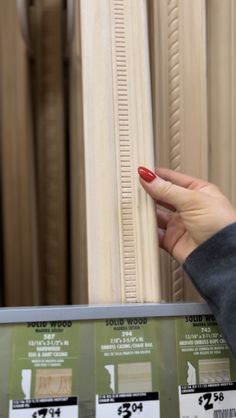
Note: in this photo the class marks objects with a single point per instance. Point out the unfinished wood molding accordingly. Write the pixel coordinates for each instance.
(23, 20)
(221, 54)
(174, 109)
(178, 61)
(122, 245)
(47, 32)
(79, 273)
(19, 241)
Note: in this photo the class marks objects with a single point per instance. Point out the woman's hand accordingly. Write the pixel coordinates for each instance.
(189, 210)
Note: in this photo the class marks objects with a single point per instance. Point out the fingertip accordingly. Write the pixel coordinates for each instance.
(146, 174)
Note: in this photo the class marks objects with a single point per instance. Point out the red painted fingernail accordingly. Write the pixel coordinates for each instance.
(146, 174)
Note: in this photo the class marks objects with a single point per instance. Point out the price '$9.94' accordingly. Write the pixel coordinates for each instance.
(47, 413)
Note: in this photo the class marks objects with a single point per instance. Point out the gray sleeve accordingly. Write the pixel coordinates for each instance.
(212, 268)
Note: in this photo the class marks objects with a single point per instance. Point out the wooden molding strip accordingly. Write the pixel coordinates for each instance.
(121, 227)
(177, 28)
(221, 60)
(175, 128)
(47, 21)
(19, 228)
(119, 53)
(79, 262)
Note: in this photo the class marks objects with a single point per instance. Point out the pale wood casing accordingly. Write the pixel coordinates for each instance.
(178, 58)
(122, 245)
(221, 71)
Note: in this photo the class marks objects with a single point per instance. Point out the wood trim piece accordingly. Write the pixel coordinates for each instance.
(121, 227)
(221, 53)
(177, 28)
(47, 30)
(20, 247)
(79, 271)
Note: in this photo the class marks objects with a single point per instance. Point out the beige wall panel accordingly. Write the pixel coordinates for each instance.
(47, 32)
(121, 227)
(178, 60)
(17, 174)
(221, 52)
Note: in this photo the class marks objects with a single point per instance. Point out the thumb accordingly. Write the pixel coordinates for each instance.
(162, 190)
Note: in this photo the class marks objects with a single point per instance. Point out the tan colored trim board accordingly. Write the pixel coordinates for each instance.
(121, 228)
(47, 31)
(178, 61)
(221, 53)
(17, 178)
(79, 270)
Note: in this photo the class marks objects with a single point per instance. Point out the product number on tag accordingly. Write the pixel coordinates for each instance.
(127, 409)
(47, 413)
(208, 399)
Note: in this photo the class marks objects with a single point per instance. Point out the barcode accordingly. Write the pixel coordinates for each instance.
(225, 413)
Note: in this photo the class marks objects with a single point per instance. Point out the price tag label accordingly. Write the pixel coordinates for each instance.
(130, 405)
(44, 408)
(208, 400)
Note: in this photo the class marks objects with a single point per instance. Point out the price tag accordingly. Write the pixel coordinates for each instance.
(130, 405)
(44, 408)
(208, 400)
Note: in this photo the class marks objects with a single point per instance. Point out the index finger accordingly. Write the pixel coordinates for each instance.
(181, 179)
